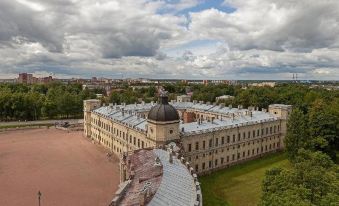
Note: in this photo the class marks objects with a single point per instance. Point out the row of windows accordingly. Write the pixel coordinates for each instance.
(274, 145)
(135, 141)
(235, 157)
(228, 139)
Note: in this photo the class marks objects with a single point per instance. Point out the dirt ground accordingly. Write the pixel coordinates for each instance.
(66, 167)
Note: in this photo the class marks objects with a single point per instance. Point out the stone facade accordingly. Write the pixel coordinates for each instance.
(214, 138)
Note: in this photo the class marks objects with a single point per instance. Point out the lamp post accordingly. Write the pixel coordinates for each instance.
(39, 196)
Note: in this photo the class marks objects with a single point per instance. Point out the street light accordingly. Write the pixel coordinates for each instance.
(39, 196)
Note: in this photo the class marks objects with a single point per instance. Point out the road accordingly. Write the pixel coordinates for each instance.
(39, 122)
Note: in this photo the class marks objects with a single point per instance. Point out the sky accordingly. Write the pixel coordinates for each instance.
(184, 39)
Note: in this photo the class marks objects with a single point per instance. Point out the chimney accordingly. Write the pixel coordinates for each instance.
(171, 158)
(123, 111)
(194, 101)
(183, 129)
(222, 105)
(230, 106)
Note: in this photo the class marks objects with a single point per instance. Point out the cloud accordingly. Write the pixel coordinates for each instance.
(280, 25)
(260, 39)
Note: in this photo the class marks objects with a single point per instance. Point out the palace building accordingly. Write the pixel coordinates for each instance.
(210, 136)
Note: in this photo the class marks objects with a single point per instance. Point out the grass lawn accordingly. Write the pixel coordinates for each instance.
(239, 185)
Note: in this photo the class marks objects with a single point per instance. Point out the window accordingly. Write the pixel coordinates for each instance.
(171, 131)
(249, 134)
(210, 143)
(258, 132)
(227, 158)
(203, 165)
(196, 168)
(253, 133)
(234, 138)
(270, 130)
(222, 160)
(244, 135)
(203, 144)
(134, 140)
(238, 136)
(266, 130)
(222, 140)
(275, 129)
(216, 142)
(228, 139)
(238, 156)
(197, 146)
(243, 154)
(262, 132)
(189, 147)
(138, 142)
(233, 157)
(216, 162)
(210, 164)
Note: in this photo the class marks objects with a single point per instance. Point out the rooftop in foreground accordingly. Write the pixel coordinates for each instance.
(157, 179)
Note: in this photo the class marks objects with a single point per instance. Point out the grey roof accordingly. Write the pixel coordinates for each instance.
(163, 112)
(131, 118)
(177, 186)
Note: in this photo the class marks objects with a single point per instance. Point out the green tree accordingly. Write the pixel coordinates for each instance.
(313, 180)
(323, 127)
(296, 136)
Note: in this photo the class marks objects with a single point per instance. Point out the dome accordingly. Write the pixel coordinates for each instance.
(163, 112)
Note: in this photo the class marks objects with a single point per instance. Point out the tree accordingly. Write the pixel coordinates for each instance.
(323, 128)
(313, 180)
(296, 136)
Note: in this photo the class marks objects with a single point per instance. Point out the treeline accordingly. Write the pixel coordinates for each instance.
(34, 102)
(295, 94)
(312, 144)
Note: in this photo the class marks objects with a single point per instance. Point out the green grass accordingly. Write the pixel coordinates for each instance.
(239, 185)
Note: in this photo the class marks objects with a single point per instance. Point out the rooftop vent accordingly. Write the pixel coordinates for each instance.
(222, 105)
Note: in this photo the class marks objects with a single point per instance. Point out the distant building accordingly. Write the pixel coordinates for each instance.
(106, 87)
(183, 98)
(263, 84)
(25, 78)
(223, 98)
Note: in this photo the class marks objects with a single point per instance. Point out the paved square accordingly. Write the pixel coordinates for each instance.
(66, 167)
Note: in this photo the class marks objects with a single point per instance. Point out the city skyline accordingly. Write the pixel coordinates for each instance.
(190, 39)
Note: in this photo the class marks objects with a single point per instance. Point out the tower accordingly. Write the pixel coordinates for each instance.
(163, 122)
(89, 105)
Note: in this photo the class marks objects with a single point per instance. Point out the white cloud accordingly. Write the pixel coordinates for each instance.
(260, 40)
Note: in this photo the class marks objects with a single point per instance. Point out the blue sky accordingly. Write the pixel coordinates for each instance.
(198, 39)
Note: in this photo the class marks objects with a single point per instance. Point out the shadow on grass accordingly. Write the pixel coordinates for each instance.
(239, 184)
